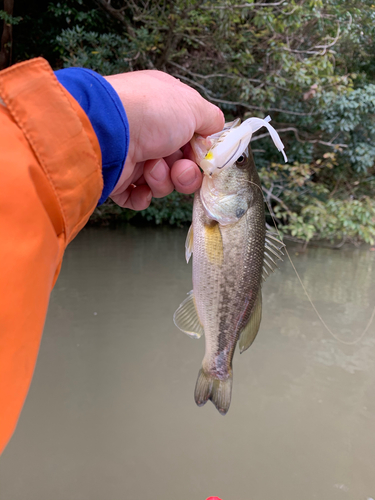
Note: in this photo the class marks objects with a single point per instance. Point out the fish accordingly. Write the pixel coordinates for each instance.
(232, 255)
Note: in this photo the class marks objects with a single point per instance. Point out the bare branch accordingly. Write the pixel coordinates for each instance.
(242, 6)
(291, 12)
(330, 144)
(296, 133)
(213, 75)
(239, 103)
(313, 50)
(116, 14)
(326, 46)
(276, 198)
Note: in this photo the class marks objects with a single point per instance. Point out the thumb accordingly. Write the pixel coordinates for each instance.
(209, 119)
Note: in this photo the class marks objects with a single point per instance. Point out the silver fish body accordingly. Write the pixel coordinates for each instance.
(229, 245)
(227, 277)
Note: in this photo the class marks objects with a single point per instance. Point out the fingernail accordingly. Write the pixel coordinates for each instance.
(149, 196)
(158, 171)
(187, 177)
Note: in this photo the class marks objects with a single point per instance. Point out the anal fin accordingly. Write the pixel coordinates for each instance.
(250, 331)
(186, 318)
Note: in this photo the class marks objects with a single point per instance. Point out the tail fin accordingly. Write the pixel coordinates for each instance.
(209, 387)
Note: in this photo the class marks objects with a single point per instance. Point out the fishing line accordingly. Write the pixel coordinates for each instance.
(306, 292)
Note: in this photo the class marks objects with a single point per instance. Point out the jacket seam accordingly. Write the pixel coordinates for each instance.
(35, 146)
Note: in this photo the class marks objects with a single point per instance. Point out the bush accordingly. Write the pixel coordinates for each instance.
(310, 65)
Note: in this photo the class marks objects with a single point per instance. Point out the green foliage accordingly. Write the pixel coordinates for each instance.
(9, 19)
(310, 65)
(309, 209)
(105, 53)
(175, 209)
(350, 219)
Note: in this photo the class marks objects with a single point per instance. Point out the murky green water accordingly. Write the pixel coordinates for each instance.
(111, 415)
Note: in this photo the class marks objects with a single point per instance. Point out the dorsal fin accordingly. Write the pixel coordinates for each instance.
(273, 250)
(220, 136)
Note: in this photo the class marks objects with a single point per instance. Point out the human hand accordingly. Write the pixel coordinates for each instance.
(163, 116)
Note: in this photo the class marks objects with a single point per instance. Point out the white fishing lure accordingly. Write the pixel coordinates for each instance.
(226, 146)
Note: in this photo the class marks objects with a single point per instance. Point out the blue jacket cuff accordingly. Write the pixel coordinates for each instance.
(107, 116)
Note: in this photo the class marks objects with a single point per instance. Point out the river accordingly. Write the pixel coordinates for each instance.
(111, 415)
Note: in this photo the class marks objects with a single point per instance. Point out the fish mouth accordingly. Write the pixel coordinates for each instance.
(209, 165)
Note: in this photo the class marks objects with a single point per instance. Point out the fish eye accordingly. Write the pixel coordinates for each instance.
(241, 160)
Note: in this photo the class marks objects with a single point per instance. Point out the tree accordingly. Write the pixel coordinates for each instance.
(7, 36)
(310, 65)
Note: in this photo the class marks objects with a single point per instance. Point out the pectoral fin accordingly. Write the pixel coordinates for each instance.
(250, 331)
(186, 318)
(189, 243)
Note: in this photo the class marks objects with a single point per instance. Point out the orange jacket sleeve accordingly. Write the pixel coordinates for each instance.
(50, 182)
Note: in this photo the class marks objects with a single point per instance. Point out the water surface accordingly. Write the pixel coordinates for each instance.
(111, 415)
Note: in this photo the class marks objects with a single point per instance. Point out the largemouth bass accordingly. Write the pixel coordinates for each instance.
(232, 256)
